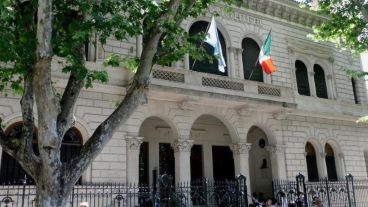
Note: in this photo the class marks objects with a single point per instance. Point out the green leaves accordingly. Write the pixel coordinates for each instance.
(347, 25)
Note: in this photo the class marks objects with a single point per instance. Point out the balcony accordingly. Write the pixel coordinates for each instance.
(192, 80)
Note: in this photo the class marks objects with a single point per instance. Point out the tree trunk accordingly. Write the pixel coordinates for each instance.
(52, 196)
(52, 193)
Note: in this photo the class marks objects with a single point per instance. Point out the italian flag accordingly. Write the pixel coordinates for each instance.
(265, 56)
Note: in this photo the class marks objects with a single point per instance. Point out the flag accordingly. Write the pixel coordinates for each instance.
(212, 39)
(265, 56)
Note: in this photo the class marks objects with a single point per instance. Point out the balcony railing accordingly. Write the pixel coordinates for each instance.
(187, 79)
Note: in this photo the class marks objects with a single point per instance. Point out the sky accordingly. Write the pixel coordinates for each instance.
(365, 61)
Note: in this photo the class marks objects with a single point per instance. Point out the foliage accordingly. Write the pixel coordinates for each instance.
(347, 23)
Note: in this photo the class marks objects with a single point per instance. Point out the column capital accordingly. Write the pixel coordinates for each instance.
(133, 143)
(182, 145)
(276, 149)
(323, 155)
(241, 148)
(311, 73)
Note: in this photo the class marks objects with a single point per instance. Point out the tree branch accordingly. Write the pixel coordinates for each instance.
(70, 96)
(136, 95)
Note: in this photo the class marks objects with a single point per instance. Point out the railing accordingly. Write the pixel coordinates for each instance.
(164, 194)
(187, 79)
(343, 193)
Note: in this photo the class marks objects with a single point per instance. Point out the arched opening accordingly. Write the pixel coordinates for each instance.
(155, 152)
(260, 164)
(355, 91)
(251, 67)
(12, 172)
(330, 163)
(211, 153)
(320, 82)
(311, 160)
(206, 66)
(301, 74)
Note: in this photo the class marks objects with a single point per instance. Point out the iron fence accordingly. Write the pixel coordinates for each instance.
(342, 193)
(161, 194)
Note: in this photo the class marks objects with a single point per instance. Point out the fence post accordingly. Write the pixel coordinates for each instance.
(24, 182)
(350, 189)
(241, 190)
(328, 193)
(301, 189)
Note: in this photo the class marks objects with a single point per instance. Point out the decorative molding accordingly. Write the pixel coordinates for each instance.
(309, 48)
(163, 131)
(197, 133)
(182, 145)
(235, 16)
(241, 148)
(323, 155)
(276, 149)
(133, 143)
(187, 105)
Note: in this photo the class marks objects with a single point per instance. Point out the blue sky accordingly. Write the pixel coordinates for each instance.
(365, 61)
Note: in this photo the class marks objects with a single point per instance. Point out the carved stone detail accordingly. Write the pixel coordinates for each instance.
(241, 148)
(276, 149)
(182, 145)
(133, 143)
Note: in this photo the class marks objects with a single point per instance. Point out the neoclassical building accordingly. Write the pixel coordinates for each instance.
(200, 122)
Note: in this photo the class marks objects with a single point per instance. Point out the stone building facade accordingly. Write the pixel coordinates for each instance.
(198, 123)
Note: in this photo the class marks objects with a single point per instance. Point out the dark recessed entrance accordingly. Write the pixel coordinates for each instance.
(196, 164)
(223, 163)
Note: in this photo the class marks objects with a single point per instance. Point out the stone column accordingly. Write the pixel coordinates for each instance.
(139, 42)
(231, 65)
(340, 166)
(312, 85)
(182, 159)
(240, 63)
(241, 161)
(277, 156)
(186, 62)
(330, 93)
(133, 146)
(322, 168)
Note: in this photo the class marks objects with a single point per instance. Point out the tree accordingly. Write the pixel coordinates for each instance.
(32, 32)
(347, 24)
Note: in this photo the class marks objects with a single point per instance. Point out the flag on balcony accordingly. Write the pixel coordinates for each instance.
(212, 38)
(265, 56)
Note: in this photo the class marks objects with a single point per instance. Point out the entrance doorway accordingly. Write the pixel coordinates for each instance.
(260, 164)
(156, 152)
(223, 163)
(196, 164)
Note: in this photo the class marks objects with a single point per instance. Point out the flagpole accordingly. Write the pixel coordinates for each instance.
(269, 33)
(195, 60)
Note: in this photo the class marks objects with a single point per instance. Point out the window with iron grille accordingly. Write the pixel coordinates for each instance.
(206, 66)
(251, 67)
(355, 93)
(311, 159)
(320, 81)
(330, 163)
(302, 82)
(11, 171)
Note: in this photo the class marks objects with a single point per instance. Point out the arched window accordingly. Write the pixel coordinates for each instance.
(206, 66)
(72, 144)
(12, 172)
(356, 100)
(330, 163)
(251, 67)
(320, 81)
(302, 82)
(311, 162)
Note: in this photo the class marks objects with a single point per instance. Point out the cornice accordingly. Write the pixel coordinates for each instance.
(288, 10)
